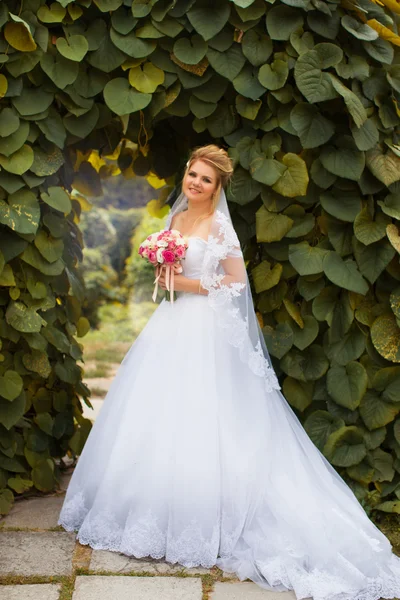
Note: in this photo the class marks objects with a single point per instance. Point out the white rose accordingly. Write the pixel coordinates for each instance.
(146, 243)
(160, 257)
(162, 243)
(180, 242)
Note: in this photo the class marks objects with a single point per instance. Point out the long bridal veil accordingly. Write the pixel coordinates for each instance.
(304, 529)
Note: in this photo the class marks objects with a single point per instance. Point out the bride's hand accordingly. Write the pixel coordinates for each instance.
(178, 281)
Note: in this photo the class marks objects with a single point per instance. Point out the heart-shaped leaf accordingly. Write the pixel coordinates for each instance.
(146, 78)
(57, 198)
(61, 71)
(312, 128)
(190, 50)
(393, 236)
(74, 48)
(19, 162)
(54, 13)
(294, 181)
(19, 35)
(273, 76)
(21, 213)
(10, 385)
(199, 17)
(122, 99)
(344, 273)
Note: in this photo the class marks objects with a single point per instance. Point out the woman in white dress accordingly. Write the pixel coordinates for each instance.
(197, 457)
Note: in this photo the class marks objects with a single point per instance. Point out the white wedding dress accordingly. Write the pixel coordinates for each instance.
(178, 466)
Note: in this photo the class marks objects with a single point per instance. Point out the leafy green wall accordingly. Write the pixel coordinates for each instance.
(305, 93)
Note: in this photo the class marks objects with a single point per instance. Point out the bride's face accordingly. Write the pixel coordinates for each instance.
(200, 182)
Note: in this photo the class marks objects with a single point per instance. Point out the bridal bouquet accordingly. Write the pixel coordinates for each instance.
(165, 249)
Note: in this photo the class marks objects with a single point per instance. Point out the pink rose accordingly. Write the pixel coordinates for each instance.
(169, 257)
(171, 246)
(180, 252)
(141, 250)
(152, 256)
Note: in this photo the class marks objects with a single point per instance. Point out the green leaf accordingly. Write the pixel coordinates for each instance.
(50, 248)
(273, 76)
(10, 414)
(309, 365)
(61, 71)
(23, 319)
(47, 163)
(228, 64)
(319, 426)
(106, 56)
(366, 136)
(32, 101)
(190, 50)
(306, 259)
(122, 99)
(353, 103)
(19, 162)
(344, 273)
(367, 230)
(247, 83)
(271, 227)
(282, 21)
(294, 181)
(57, 198)
(312, 82)
(375, 412)
(348, 348)
(342, 205)
(343, 162)
(13, 142)
(243, 188)
(199, 17)
(312, 128)
(43, 475)
(9, 122)
(385, 335)
(246, 107)
(305, 336)
(146, 78)
(380, 50)
(33, 257)
(6, 501)
(278, 340)
(298, 393)
(264, 277)
(11, 385)
(385, 167)
(54, 13)
(38, 362)
(347, 385)
(360, 30)
(266, 170)
(223, 121)
(345, 447)
(21, 213)
(256, 47)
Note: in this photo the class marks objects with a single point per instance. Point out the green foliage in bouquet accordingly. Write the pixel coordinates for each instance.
(305, 93)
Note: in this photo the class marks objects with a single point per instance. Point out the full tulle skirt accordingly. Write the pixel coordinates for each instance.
(192, 460)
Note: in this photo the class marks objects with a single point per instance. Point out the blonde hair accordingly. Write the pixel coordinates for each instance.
(220, 161)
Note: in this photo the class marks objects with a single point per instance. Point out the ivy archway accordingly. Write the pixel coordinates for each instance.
(305, 94)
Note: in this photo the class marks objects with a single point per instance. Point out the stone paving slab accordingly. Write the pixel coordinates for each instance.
(102, 560)
(246, 591)
(99, 587)
(35, 513)
(40, 591)
(36, 553)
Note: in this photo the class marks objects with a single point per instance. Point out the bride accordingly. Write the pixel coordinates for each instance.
(197, 457)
